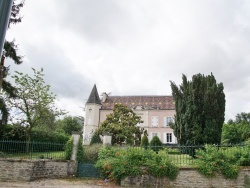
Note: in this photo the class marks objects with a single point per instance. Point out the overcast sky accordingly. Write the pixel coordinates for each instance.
(135, 47)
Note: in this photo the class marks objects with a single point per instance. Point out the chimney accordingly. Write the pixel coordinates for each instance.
(104, 96)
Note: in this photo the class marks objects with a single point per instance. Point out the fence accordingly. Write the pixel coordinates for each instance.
(186, 156)
(31, 150)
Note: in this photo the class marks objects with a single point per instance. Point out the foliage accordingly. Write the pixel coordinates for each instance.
(91, 153)
(69, 148)
(80, 151)
(117, 163)
(69, 124)
(200, 110)
(33, 96)
(9, 51)
(46, 135)
(155, 144)
(144, 142)
(95, 139)
(160, 165)
(213, 160)
(121, 124)
(238, 130)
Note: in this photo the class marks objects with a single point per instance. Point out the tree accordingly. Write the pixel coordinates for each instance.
(144, 141)
(69, 124)
(200, 110)
(95, 139)
(32, 97)
(238, 130)
(122, 125)
(10, 51)
(155, 144)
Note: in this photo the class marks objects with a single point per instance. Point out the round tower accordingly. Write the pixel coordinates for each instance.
(92, 115)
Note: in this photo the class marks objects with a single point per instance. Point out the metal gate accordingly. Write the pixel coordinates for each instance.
(87, 170)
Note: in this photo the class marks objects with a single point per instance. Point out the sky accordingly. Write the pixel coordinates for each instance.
(135, 47)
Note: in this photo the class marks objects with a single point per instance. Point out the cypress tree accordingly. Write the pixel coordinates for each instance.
(200, 110)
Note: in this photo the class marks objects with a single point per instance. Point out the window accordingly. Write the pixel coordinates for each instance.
(154, 121)
(169, 137)
(167, 121)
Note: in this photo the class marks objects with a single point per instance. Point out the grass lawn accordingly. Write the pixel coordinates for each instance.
(37, 155)
(183, 160)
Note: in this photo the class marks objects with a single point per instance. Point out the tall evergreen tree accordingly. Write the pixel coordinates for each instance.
(200, 110)
(9, 51)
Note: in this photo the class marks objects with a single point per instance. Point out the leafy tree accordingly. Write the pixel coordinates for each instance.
(69, 124)
(238, 130)
(200, 109)
(33, 96)
(122, 125)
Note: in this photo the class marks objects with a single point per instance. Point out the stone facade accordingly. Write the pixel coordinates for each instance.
(189, 178)
(28, 170)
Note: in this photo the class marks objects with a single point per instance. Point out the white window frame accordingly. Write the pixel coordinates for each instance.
(170, 137)
(154, 121)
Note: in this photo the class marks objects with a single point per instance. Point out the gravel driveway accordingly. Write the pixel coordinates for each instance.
(62, 183)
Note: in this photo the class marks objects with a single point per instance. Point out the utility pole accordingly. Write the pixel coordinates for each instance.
(5, 10)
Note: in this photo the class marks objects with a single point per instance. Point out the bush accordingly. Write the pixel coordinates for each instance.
(69, 148)
(95, 139)
(80, 151)
(91, 153)
(117, 163)
(43, 135)
(160, 165)
(213, 160)
(144, 142)
(155, 144)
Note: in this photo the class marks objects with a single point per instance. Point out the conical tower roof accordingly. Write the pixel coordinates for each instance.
(94, 97)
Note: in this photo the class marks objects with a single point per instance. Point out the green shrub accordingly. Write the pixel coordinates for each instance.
(155, 144)
(95, 139)
(213, 160)
(80, 151)
(91, 153)
(44, 135)
(144, 141)
(160, 166)
(117, 163)
(69, 148)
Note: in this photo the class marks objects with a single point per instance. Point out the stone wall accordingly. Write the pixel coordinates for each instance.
(189, 177)
(28, 170)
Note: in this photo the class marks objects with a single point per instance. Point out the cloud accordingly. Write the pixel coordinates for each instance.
(137, 47)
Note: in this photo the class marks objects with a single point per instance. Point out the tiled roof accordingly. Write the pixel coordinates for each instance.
(94, 97)
(146, 102)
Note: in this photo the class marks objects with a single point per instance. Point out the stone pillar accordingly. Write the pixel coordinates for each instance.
(76, 137)
(107, 140)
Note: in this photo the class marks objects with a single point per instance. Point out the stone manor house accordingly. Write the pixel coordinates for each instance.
(156, 112)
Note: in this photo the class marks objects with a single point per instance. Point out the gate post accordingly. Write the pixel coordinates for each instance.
(76, 137)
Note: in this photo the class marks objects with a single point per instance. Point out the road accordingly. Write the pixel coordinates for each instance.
(60, 183)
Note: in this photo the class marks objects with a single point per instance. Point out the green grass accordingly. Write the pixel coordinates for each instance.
(37, 155)
(183, 160)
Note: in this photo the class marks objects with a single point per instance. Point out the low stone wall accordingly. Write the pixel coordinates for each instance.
(28, 170)
(189, 177)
